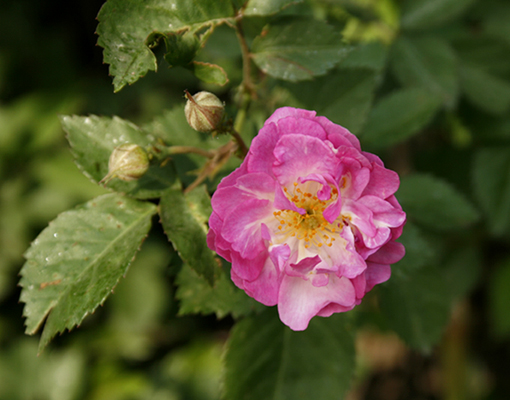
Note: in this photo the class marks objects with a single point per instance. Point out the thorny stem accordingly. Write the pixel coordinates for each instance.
(243, 149)
(189, 149)
(247, 84)
(221, 156)
(238, 125)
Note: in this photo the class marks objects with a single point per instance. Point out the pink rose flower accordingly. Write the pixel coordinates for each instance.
(308, 220)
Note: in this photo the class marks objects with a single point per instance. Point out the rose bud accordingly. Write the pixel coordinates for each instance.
(204, 111)
(128, 162)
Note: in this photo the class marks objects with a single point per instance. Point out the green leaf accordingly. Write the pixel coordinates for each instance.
(93, 139)
(423, 14)
(418, 298)
(267, 7)
(197, 296)
(298, 49)
(23, 376)
(371, 55)
(267, 360)
(419, 251)
(184, 220)
(74, 264)
(399, 116)
(491, 54)
(209, 73)
(499, 298)
(181, 48)
(417, 306)
(486, 91)
(491, 179)
(434, 203)
(461, 270)
(344, 96)
(126, 28)
(495, 22)
(141, 303)
(427, 62)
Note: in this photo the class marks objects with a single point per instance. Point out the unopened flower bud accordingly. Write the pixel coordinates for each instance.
(204, 111)
(128, 162)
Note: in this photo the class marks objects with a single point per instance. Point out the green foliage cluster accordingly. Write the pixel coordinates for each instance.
(425, 84)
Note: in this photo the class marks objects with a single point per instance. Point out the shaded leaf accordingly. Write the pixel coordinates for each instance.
(74, 264)
(24, 376)
(422, 14)
(486, 91)
(197, 296)
(434, 203)
(461, 270)
(344, 96)
(418, 298)
(485, 52)
(93, 139)
(371, 55)
(141, 303)
(499, 298)
(419, 251)
(491, 179)
(495, 22)
(125, 29)
(267, 7)
(184, 221)
(427, 62)
(209, 73)
(399, 116)
(267, 360)
(181, 48)
(417, 306)
(298, 49)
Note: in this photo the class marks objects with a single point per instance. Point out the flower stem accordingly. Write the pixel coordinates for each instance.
(243, 149)
(189, 149)
(221, 156)
(247, 85)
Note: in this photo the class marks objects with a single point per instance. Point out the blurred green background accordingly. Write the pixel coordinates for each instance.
(135, 347)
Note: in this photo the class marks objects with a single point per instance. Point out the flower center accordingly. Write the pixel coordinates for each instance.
(311, 227)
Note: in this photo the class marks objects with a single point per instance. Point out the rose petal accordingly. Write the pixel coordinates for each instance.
(375, 274)
(390, 253)
(285, 112)
(337, 133)
(242, 227)
(266, 287)
(298, 156)
(299, 301)
(383, 182)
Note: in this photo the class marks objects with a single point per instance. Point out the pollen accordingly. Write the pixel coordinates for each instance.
(311, 228)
